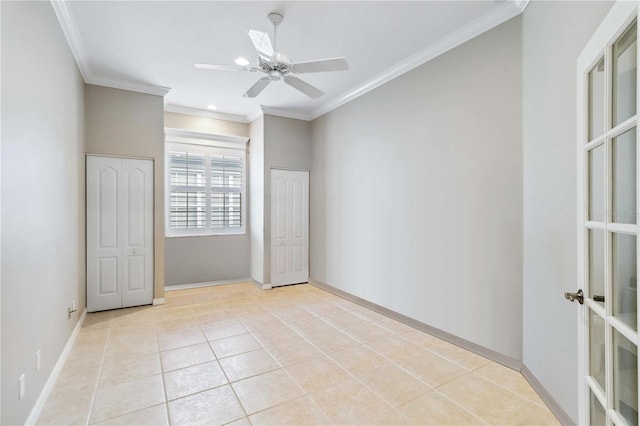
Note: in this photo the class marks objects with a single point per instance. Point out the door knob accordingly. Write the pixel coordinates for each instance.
(575, 296)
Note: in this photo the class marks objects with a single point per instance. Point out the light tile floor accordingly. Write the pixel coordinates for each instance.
(294, 355)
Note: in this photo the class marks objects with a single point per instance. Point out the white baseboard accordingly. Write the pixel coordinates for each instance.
(159, 301)
(544, 394)
(51, 381)
(262, 286)
(205, 284)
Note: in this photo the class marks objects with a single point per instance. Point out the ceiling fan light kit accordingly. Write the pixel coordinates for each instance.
(277, 65)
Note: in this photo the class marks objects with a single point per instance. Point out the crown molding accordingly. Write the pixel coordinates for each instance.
(521, 4)
(140, 87)
(253, 116)
(179, 109)
(71, 33)
(489, 20)
(286, 113)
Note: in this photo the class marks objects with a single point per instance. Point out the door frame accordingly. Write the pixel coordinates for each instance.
(613, 25)
(271, 221)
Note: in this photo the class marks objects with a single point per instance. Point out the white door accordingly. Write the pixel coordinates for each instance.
(119, 232)
(607, 221)
(289, 227)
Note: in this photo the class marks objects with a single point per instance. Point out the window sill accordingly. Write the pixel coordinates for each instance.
(226, 234)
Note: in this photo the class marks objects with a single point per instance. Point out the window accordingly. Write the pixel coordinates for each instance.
(206, 190)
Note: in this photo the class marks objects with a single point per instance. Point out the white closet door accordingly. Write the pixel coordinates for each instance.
(137, 232)
(119, 233)
(104, 260)
(289, 227)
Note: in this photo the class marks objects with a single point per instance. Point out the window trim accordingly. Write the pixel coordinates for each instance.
(208, 144)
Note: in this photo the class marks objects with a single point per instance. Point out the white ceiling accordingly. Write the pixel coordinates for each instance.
(149, 45)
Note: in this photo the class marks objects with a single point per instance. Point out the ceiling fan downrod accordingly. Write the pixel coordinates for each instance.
(275, 18)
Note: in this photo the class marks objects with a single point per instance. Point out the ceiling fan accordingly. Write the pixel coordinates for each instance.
(278, 66)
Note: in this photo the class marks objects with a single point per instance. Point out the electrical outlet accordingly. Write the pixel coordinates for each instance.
(73, 308)
(38, 360)
(22, 385)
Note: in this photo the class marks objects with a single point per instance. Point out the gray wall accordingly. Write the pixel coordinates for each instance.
(287, 145)
(416, 193)
(554, 34)
(191, 260)
(214, 258)
(42, 199)
(124, 123)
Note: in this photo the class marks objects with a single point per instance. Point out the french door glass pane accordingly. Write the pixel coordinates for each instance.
(596, 100)
(624, 177)
(596, 262)
(596, 348)
(598, 416)
(625, 378)
(624, 76)
(596, 184)
(624, 268)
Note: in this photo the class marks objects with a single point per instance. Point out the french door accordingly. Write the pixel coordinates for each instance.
(607, 219)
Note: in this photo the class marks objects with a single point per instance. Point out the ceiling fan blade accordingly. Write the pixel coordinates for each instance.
(224, 67)
(257, 87)
(323, 65)
(303, 86)
(262, 43)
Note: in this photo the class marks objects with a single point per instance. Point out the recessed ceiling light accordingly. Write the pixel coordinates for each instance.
(212, 107)
(243, 62)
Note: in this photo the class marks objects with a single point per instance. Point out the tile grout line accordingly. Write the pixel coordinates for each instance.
(164, 383)
(306, 394)
(126, 381)
(477, 416)
(442, 356)
(95, 389)
(510, 391)
(283, 368)
(345, 370)
(246, 415)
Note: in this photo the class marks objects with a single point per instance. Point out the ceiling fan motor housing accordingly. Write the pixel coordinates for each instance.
(278, 67)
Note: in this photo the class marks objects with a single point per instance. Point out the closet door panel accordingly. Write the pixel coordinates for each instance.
(137, 232)
(104, 261)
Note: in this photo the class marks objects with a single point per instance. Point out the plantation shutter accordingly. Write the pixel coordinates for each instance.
(206, 190)
(188, 208)
(227, 204)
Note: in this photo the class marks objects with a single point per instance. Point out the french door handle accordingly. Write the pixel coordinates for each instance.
(598, 298)
(579, 296)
